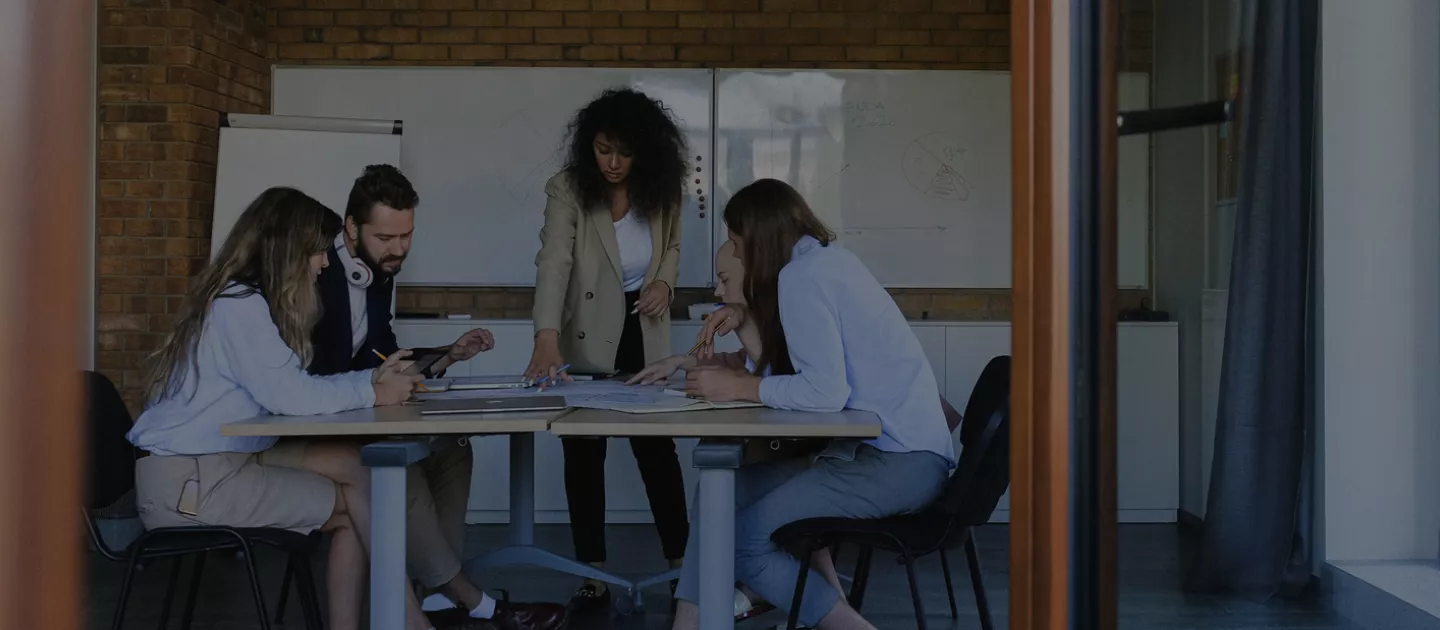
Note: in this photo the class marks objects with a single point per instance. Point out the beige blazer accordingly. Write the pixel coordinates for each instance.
(579, 287)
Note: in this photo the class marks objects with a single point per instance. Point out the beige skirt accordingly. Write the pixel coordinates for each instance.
(266, 489)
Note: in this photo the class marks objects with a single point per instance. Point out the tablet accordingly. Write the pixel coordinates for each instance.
(425, 358)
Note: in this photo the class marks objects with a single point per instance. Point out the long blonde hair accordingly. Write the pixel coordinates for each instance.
(268, 252)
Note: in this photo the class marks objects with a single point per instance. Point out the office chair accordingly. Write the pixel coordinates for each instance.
(112, 486)
(968, 500)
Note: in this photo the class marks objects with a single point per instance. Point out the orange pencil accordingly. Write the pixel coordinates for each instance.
(421, 386)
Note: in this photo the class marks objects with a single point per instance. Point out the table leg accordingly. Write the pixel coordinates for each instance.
(717, 462)
(522, 489)
(387, 462)
(522, 549)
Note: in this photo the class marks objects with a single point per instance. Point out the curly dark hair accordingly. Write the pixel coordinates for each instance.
(647, 128)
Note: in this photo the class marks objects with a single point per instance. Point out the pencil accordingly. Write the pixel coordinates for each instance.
(702, 342)
(421, 386)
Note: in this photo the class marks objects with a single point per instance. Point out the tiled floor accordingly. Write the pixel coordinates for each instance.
(1151, 573)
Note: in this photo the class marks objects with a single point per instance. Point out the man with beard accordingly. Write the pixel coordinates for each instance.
(353, 333)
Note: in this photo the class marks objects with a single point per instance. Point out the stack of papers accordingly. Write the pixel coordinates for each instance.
(608, 395)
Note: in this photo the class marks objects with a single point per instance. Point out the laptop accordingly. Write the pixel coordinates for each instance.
(493, 405)
(487, 382)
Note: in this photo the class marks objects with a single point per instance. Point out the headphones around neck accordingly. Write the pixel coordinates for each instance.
(357, 272)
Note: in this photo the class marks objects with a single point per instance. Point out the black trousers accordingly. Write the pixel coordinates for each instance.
(659, 469)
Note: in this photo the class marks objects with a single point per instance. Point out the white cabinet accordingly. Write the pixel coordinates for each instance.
(1147, 410)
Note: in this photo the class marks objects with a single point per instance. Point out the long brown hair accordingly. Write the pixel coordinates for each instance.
(770, 217)
(268, 252)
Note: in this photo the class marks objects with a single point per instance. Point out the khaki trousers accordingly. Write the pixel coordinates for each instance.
(437, 498)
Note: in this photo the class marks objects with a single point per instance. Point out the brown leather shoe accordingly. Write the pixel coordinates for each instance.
(510, 616)
(458, 619)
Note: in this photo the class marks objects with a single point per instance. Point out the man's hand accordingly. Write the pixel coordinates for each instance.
(464, 349)
(721, 384)
(471, 344)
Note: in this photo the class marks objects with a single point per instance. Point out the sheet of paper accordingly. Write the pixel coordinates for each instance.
(577, 394)
(604, 394)
(650, 398)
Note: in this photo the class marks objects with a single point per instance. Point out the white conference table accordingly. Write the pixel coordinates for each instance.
(718, 455)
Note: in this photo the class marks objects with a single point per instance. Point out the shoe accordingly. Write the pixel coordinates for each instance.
(589, 599)
(510, 616)
(457, 619)
(745, 609)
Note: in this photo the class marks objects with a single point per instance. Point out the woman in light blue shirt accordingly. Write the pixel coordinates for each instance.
(830, 338)
(238, 350)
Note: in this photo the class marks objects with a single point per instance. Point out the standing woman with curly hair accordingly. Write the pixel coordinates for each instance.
(605, 276)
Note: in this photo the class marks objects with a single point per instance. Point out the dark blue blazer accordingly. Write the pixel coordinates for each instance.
(332, 338)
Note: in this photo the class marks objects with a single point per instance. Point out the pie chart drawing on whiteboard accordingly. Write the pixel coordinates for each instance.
(931, 164)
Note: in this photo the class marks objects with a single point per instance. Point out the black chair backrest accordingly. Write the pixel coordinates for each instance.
(983, 473)
(112, 457)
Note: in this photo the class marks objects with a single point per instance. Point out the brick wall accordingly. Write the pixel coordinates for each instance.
(167, 68)
(927, 34)
(935, 34)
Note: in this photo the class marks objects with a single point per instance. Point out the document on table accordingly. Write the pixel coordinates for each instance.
(604, 394)
(574, 393)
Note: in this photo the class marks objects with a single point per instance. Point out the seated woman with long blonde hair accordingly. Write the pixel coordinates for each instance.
(239, 348)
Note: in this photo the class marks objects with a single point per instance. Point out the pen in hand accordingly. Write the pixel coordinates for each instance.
(420, 386)
(543, 379)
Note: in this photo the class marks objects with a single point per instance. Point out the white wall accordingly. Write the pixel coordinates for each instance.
(1380, 377)
(1180, 173)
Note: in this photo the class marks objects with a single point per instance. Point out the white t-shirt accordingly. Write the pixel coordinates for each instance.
(359, 307)
(632, 234)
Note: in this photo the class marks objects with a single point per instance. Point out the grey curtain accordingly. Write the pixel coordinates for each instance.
(1257, 532)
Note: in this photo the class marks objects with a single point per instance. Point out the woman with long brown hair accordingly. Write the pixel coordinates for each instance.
(239, 349)
(830, 337)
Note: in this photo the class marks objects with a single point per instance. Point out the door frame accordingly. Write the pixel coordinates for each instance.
(45, 147)
(1063, 510)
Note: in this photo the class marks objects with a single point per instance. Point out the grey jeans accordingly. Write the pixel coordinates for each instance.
(871, 484)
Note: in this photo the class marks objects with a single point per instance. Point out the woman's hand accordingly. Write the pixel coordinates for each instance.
(545, 359)
(662, 369)
(392, 385)
(719, 384)
(718, 324)
(394, 363)
(655, 300)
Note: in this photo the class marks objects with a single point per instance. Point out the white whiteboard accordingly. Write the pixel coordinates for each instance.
(910, 168)
(322, 164)
(480, 144)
